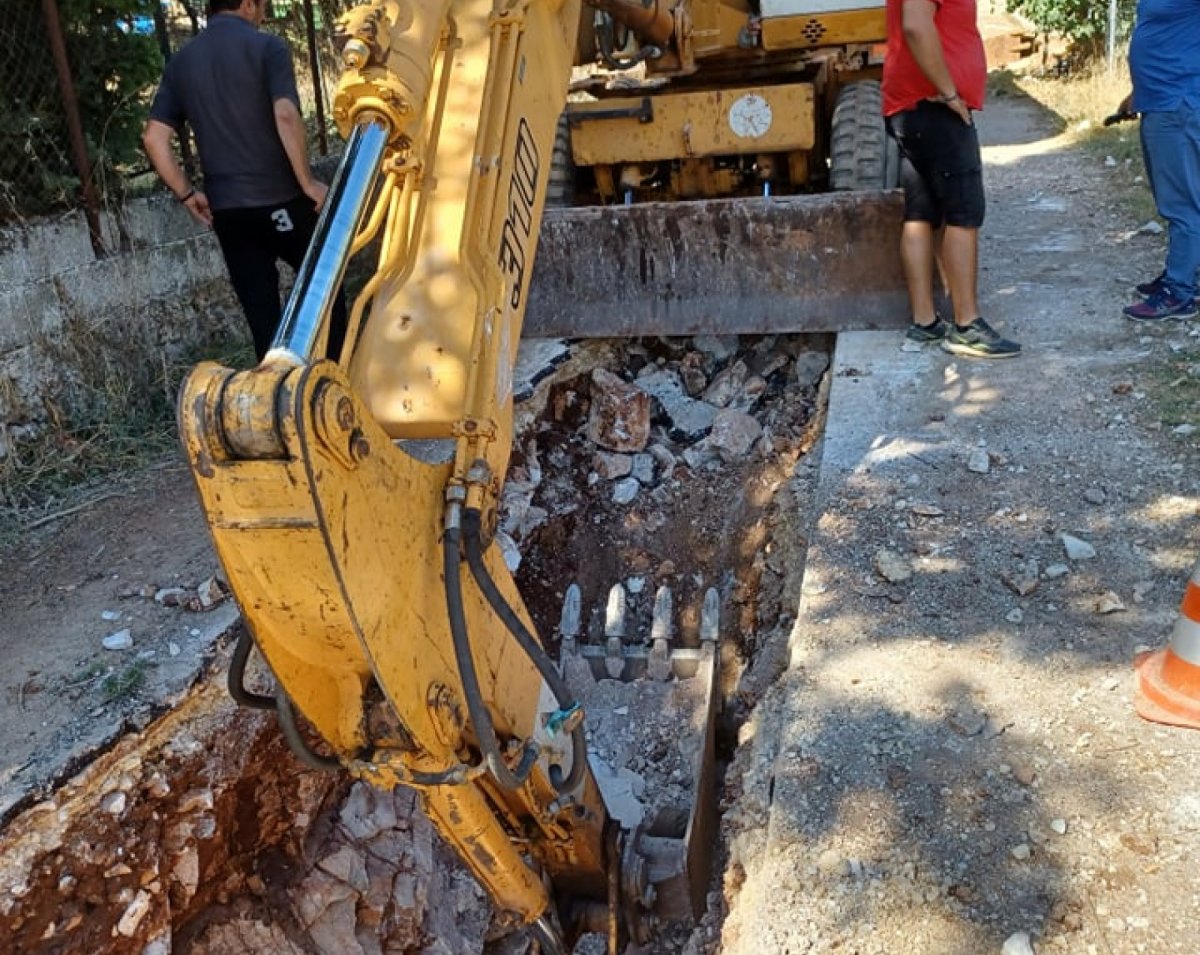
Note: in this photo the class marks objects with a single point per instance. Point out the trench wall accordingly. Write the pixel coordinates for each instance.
(78, 334)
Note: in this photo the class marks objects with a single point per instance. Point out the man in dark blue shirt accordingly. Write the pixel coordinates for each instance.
(1164, 61)
(234, 85)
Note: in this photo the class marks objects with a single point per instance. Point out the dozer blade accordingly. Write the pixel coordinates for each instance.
(651, 706)
(827, 263)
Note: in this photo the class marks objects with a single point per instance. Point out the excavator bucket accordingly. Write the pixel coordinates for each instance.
(819, 263)
(651, 702)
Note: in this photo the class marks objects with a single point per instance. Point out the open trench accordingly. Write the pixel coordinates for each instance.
(202, 835)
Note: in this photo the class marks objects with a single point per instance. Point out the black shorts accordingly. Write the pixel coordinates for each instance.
(252, 240)
(941, 169)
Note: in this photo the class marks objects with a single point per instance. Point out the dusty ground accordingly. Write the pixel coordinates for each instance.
(951, 763)
(904, 785)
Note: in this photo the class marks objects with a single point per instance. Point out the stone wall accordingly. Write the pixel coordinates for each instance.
(77, 331)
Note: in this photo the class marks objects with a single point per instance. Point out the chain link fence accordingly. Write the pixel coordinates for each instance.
(77, 79)
(36, 172)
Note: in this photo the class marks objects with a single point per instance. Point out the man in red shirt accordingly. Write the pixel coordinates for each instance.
(933, 77)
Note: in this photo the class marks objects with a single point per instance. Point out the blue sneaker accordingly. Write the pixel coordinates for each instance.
(1161, 306)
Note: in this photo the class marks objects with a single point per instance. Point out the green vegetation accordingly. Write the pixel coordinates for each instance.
(113, 67)
(1173, 386)
(1082, 22)
(122, 684)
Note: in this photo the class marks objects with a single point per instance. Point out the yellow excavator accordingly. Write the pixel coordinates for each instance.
(353, 502)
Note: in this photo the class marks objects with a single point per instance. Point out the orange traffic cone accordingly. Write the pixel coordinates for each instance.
(1168, 680)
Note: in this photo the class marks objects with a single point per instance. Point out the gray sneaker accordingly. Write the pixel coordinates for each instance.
(921, 334)
(979, 340)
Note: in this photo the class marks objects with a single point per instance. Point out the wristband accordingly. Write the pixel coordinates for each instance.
(949, 99)
(190, 193)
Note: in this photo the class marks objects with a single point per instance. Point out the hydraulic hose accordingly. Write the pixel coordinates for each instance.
(291, 733)
(471, 530)
(237, 675)
(485, 730)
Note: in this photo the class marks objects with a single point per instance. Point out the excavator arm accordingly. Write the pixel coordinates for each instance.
(353, 502)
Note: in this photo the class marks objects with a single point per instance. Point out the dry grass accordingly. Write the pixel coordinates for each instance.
(122, 425)
(1081, 101)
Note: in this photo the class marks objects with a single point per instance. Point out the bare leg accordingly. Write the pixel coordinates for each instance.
(916, 254)
(960, 259)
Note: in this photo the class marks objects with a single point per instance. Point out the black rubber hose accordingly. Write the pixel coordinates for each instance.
(472, 526)
(291, 732)
(485, 730)
(237, 675)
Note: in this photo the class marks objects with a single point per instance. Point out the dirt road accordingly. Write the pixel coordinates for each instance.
(951, 763)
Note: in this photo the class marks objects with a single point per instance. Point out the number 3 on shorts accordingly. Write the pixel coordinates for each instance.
(283, 221)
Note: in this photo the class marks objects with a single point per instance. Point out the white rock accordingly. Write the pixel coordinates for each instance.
(110, 615)
(1015, 615)
(1077, 549)
(1054, 571)
(625, 490)
(114, 803)
(1059, 826)
(134, 914)
(1150, 228)
(1021, 852)
(1018, 944)
(121, 640)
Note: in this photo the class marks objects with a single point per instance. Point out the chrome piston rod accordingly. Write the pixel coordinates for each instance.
(324, 263)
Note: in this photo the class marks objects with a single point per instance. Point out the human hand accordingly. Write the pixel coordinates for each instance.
(197, 205)
(316, 191)
(1124, 112)
(960, 108)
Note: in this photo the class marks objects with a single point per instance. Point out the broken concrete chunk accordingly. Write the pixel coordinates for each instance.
(689, 419)
(619, 417)
(727, 386)
(611, 466)
(643, 469)
(717, 347)
(536, 360)
(809, 368)
(733, 434)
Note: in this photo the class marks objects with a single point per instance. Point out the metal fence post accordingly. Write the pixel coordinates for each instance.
(83, 165)
(315, 66)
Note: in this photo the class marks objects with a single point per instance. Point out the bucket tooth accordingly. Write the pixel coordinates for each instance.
(614, 631)
(659, 664)
(569, 620)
